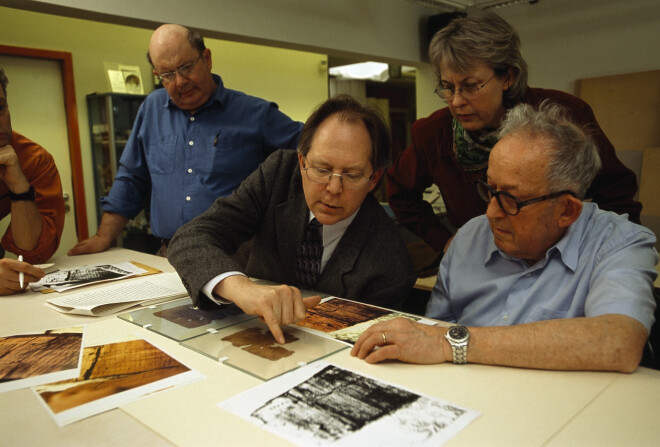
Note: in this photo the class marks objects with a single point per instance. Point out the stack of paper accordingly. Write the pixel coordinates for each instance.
(117, 297)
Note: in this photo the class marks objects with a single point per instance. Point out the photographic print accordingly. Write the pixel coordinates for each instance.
(250, 347)
(113, 375)
(322, 404)
(65, 279)
(132, 79)
(338, 313)
(179, 320)
(32, 359)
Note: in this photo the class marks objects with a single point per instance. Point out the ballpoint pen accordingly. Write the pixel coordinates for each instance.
(21, 275)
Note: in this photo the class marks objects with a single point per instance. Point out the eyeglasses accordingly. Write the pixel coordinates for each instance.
(509, 203)
(350, 180)
(183, 71)
(467, 91)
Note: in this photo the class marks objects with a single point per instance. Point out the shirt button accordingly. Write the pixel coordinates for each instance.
(190, 143)
(192, 118)
(189, 171)
(528, 275)
(188, 198)
(505, 317)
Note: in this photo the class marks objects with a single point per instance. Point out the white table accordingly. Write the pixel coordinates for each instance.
(519, 407)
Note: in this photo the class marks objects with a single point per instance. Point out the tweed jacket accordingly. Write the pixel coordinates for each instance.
(370, 263)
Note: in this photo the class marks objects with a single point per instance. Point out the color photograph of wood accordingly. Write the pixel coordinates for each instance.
(111, 375)
(29, 359)
(338, 313)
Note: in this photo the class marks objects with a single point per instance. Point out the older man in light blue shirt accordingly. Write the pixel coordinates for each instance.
(543, 280)
(603, 265)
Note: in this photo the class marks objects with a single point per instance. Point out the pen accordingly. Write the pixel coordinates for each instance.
(21, 275)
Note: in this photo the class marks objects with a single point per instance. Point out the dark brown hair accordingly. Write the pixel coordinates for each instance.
(351, 110)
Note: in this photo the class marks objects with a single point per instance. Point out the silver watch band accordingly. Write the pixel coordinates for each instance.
(459, 352)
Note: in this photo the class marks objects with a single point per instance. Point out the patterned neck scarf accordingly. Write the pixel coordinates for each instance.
(472, 149)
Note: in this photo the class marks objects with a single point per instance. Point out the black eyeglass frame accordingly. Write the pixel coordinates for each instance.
(170, 76)
(519, 203)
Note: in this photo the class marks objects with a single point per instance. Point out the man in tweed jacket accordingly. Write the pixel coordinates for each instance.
(343, 150)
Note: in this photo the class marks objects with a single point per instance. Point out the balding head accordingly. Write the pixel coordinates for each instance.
(171, 34)
(179, 52)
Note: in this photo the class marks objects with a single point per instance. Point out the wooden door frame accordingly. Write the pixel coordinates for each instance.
(73, 130)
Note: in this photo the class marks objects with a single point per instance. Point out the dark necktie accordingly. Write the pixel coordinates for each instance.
(308, 267)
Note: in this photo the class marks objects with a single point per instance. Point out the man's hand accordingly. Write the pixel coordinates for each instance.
(403, 340)
(275, 305)
(111, 225)
(94, 244)
(9, 271)
(11, 172)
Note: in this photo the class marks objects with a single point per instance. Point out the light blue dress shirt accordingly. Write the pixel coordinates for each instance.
(604, 264)
(184, 162)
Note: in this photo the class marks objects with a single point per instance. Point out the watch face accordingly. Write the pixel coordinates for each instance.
(458, 332)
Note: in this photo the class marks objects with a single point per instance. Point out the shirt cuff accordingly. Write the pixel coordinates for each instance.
(209, 286)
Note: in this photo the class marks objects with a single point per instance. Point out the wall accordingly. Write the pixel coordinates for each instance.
(563, 40)
(293, 79)
(567, 40)
(387, 30)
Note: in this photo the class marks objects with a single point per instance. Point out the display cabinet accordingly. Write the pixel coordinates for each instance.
(111, 118)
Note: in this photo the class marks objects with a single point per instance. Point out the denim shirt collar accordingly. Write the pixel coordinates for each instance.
(219, 96)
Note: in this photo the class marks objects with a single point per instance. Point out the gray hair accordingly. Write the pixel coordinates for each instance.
(3, 81)
(481, 37)
(574, 159)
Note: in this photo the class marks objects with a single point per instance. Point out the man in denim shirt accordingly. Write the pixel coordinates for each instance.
(543, 280)
(192, 142)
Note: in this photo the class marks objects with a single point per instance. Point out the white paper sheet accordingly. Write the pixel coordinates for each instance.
(322, 404)
(114, 298)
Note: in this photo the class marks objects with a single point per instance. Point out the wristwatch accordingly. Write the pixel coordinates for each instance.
(458, 337)
(28, 195)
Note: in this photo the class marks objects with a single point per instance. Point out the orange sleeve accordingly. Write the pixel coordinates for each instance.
(39, 167)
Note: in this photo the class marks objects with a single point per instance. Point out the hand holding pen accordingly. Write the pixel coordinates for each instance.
(13, 272)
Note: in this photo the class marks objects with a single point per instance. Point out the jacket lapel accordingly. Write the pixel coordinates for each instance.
(290, 221)
(348, 250)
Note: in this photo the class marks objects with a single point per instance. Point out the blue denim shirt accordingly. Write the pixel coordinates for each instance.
(184, 162)
(604, 264)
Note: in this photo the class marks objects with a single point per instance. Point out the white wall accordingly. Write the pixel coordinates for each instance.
(384, 30)
(563, 40)
(293, 79)
(567, 40)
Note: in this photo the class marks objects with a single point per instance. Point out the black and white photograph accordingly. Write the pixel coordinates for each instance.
(323, 404)
(65, 279)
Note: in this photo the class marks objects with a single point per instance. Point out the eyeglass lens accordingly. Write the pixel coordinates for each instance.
(506, 202)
